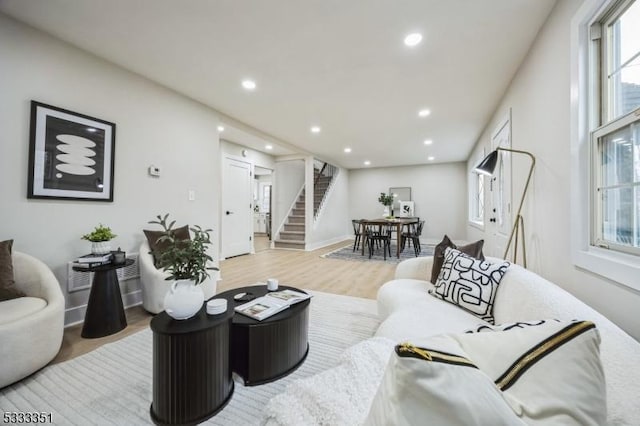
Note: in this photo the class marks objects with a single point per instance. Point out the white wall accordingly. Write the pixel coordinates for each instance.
(333, 222)
(154, 126)
(539, 96)
(288, 179)
(438, 190)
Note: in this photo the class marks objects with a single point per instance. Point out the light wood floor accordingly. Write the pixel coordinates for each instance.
(306, 270)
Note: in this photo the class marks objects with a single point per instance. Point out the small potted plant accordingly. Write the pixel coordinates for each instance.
(187, 265)
(386, 200)
(100, 239)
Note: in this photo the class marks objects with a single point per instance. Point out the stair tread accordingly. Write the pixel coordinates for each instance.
(296, 242)
(292, 232)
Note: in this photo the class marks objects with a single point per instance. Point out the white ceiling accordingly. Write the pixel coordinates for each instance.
(341, 65)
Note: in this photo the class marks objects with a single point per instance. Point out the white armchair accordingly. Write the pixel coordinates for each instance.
(31, 327)
(155, 286)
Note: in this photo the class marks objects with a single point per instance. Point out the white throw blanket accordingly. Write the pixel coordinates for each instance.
(339, 396)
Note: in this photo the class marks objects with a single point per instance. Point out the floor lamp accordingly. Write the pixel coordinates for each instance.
(487, 167)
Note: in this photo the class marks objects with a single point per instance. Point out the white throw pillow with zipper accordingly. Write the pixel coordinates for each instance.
(545, 373)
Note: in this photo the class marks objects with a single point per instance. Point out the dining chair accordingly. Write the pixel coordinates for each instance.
(377, 235)
(410, 228)
(356, 231)
(413, 236)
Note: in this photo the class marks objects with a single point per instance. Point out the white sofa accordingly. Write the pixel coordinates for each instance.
(407, 312)
(154, 285)
(31, 327)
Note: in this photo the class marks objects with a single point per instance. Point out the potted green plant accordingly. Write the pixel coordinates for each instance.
(386, 200)
(187, 265)
(100, 239)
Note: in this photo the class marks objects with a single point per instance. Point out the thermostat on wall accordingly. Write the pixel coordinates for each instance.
(154, 171)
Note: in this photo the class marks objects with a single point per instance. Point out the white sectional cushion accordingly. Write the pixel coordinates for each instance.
(428, 319)
(22, 307)
(400, 294)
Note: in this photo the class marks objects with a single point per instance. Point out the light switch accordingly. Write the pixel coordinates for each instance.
(192, 195)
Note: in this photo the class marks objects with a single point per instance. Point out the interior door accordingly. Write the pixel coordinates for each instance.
(500, 215)
(237, 226)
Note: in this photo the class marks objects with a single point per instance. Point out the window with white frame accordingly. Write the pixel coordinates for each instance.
(615, 147)
(476, 198)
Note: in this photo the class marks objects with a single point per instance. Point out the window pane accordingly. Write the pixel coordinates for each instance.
(620, 162)
(629, 32)
(480, 215)
(624, 62)
(619, 216)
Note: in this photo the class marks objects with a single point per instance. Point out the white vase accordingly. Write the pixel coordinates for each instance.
(183, 300)
(100, 247)
(386, 213)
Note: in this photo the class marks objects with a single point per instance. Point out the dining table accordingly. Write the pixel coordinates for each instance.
(399, 222)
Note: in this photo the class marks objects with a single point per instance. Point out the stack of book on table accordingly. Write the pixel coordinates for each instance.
(91, 260)
(270, 304)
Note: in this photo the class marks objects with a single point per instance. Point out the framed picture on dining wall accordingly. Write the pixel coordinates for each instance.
(406, 209)
(71, 155)
(399, 194)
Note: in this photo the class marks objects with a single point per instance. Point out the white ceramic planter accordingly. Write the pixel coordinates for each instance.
(183, 300)
(100, 247)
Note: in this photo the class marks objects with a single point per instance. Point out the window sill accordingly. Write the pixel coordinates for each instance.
(477, 225)
(619, 267)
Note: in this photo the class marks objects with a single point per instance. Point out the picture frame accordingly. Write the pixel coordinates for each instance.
(407, 209)
(402, 193)
(71, 155)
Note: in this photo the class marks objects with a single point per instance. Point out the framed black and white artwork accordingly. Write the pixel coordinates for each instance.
(71, 155)
(406, 209)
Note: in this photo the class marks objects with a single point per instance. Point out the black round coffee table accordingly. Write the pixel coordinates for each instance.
(267, 350)
(191, 373)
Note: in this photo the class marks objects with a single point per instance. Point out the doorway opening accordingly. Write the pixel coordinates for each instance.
(262, 202)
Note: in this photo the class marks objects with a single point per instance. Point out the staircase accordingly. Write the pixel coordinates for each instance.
(320, 187)
(292, 235)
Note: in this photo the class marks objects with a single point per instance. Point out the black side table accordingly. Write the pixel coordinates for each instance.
(267, 350)
(105, 313)
(191, 372)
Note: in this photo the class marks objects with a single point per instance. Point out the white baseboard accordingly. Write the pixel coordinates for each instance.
(321, 244)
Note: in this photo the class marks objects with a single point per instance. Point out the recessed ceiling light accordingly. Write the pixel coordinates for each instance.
(249, 84)
(367, 163)
(428, 142)
(315, 129)
(431, 158)
(347, 150)
(413, 39)
(269, 147)
(91, 129)
(424, 113)
(221, 128)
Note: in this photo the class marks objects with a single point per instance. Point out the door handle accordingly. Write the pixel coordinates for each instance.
(228, 212)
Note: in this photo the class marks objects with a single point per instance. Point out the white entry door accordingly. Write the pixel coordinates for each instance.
(237, 226)
(500, 214)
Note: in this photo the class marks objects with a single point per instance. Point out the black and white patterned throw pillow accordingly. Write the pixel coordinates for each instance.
(469, 283)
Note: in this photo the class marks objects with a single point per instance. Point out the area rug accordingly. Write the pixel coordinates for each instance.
(113, 384)
(347, 253)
